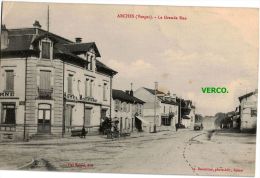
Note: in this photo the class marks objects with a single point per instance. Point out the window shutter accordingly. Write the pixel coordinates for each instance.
(86, 87)
(70, 84)
(45, 80)
(9, 80)
(46, 50)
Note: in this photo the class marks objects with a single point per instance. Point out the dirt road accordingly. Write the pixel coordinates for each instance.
(185, 152)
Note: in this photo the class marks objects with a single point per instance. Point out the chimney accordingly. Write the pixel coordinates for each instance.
(78, 40)
(131, 91)
(127, 92)
(4, 37)
(37, 24)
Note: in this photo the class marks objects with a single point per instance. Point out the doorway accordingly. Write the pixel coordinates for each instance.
(44, 118)
(87, 116)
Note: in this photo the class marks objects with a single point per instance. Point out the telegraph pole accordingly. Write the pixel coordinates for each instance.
(48, 19)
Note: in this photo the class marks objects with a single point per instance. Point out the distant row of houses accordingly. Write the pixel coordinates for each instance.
(51, 85)
(244, 117)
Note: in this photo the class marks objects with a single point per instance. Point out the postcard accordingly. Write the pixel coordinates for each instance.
(134, 89)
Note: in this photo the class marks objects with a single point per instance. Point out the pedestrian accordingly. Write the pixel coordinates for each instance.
(176, 127)
(83, 132)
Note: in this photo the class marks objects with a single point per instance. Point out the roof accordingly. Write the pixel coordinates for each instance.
(78, 48)
(123, 96)
(169, 102)
(25, 40)
(102, 67)
(247, 95)
(153, 91)
(19, 43)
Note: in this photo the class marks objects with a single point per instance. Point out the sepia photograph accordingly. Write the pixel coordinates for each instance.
(132, 89)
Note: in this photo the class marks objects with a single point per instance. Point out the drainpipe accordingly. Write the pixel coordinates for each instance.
(25, 81)
(111, 97)
(63, 114)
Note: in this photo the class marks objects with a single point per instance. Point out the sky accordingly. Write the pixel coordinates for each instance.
(213, 47)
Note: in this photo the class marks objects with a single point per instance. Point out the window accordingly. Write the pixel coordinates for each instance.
(91, 88)
(87, 117)
(45, 80)
(8, 114)
(128, 107)
(117, 105)
(164, 109)
(45, 90)
(91, 63)
(9, 80)
(70, 77)
(86, 87)
(46, 50)
(44, 118)
(253, 113)
(90, 59)
(105, 91)
(124, 107)
(68, 115)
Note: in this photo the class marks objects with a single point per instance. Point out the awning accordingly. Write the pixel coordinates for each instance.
(141, 119)
(186, 117)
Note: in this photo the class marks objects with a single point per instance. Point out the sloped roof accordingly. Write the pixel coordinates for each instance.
(123, 96)
(153, 91)
(78, 48)
(102, 67)
(25, 39)
(19, 43)
(169, 102)
(247, 95)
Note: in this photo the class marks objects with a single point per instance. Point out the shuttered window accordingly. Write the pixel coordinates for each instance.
(45, 80)
(46, 50)
(70, 84)
(68, 115)
(91, 88)
(105, 91)
(86, 87)
(9, 80)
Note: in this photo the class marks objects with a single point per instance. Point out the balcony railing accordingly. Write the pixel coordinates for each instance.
(45, 93)
(7, 127)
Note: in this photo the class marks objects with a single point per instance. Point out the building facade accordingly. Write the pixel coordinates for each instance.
(187, 114)
(51, 85)
(248, 111)
(128, 110)
(160, 109)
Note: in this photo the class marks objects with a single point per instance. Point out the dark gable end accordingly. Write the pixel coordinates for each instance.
(153, 91)
(79, 48)
(123, 96)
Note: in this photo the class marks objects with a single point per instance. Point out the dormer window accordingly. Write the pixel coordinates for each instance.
(46, 49)
(46, 53)
(90, 57)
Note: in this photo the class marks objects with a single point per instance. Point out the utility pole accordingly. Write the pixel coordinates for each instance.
(155, 99)
(48, 19)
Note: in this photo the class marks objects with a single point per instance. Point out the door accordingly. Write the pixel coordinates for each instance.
(44, 118)
(87, 116)
(68, 118)
(103, 113)
(8, 114)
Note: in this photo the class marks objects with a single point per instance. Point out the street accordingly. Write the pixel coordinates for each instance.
(185, 152)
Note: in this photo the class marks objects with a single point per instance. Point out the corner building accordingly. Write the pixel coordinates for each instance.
(50, 85)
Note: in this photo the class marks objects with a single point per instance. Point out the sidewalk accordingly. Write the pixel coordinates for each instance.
(74, 140)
